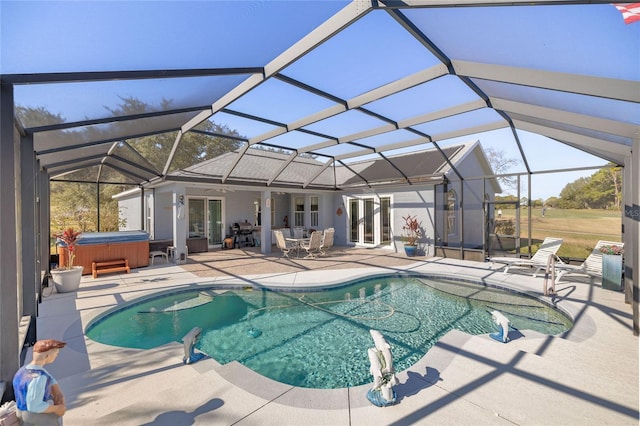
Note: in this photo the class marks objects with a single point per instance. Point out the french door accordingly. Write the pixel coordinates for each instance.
(370, 220)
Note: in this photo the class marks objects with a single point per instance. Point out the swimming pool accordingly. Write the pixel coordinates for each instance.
(319, 339)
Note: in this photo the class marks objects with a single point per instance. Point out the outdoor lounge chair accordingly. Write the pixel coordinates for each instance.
(313, 246)
(327, 240)
(592, 265)
(549, 247)
(282, 244)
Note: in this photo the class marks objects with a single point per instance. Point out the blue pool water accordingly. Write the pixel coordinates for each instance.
(319, 339)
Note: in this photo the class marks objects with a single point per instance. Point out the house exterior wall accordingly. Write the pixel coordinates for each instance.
(129, 211)
(421, 204)
(427, 201)
(469, 214)
(163, 215)
(339, 222)
(417, 202)
(470, 196)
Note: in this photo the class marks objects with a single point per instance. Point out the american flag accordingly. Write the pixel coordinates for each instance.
(630, 11)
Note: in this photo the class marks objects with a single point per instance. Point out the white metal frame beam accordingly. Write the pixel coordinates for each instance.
(603, 149)
(350, 13)
(610, 88)
(618, 128)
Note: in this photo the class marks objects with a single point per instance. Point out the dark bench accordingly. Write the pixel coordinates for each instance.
(109, 266)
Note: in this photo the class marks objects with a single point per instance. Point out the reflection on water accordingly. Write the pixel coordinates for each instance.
(320, 339)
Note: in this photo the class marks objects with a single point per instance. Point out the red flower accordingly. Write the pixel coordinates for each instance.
(612, 249)
(70, 239)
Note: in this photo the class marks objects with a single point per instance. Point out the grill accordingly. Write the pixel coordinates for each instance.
(242, 229)
(242, 234)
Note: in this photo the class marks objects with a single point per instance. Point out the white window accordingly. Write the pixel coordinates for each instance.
(452, 212)
(148, 207)
(313, 205)
(257, 216)
(385, 221)
(298, 218)
(368, 220)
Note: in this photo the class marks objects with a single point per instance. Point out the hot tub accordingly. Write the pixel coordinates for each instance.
(107, 246)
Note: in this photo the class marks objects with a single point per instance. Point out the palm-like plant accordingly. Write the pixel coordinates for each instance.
(70, 239)
(411, 229)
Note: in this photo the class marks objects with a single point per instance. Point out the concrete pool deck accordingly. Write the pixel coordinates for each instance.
(589, 375)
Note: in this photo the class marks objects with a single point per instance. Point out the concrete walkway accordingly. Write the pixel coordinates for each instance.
(587, 376)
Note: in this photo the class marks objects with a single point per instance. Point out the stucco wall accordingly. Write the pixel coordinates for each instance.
(414, 202)
(129, 211)
(419, 203)
(470, 203)
(163, 220)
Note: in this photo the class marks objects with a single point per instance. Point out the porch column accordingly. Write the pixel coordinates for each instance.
(180, 223)
(265, 228)
(631, 234)
(27, 237)
(10, 302)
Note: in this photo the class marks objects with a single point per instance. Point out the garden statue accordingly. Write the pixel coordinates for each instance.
(39, 399)
(502, 335)
(384, 376)
(190, 339)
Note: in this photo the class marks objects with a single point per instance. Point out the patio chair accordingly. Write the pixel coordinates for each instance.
(297, 233)
(592, 265)
(327, 240)
(313, 246)
(281, 243)
(549, 247)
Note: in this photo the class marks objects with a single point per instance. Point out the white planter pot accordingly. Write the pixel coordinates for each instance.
(67, 280)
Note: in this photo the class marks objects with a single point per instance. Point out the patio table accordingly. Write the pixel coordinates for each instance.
(297, 242)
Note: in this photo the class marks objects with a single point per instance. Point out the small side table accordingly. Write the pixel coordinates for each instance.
(171, 253)
(153, 254)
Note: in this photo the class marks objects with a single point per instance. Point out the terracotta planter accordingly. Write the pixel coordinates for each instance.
(67, 280)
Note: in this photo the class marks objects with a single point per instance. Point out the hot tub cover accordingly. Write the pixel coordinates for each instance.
(92, 238)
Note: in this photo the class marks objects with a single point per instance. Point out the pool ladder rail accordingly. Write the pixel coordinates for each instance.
(549, 287)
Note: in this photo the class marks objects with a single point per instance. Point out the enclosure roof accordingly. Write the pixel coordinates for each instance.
(256, 166)
(334, 84)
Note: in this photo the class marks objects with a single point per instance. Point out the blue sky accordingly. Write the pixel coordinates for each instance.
(52, 36)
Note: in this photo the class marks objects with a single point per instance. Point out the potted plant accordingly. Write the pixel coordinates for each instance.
(67, 278)
(611, 266)
(411, 234)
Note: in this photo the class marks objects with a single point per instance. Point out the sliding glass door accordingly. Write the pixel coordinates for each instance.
(213, 227)
(215, 223)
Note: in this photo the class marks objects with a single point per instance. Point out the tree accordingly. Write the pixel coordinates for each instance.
(502, 164)
(195, 147)
(537, 203)
(599, 191)
(510, 201)
(75, 198)
(572, 195)
(552, 202)
(35, 117)
(605, 187)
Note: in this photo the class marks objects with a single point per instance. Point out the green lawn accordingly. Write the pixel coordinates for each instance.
(580, 229)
